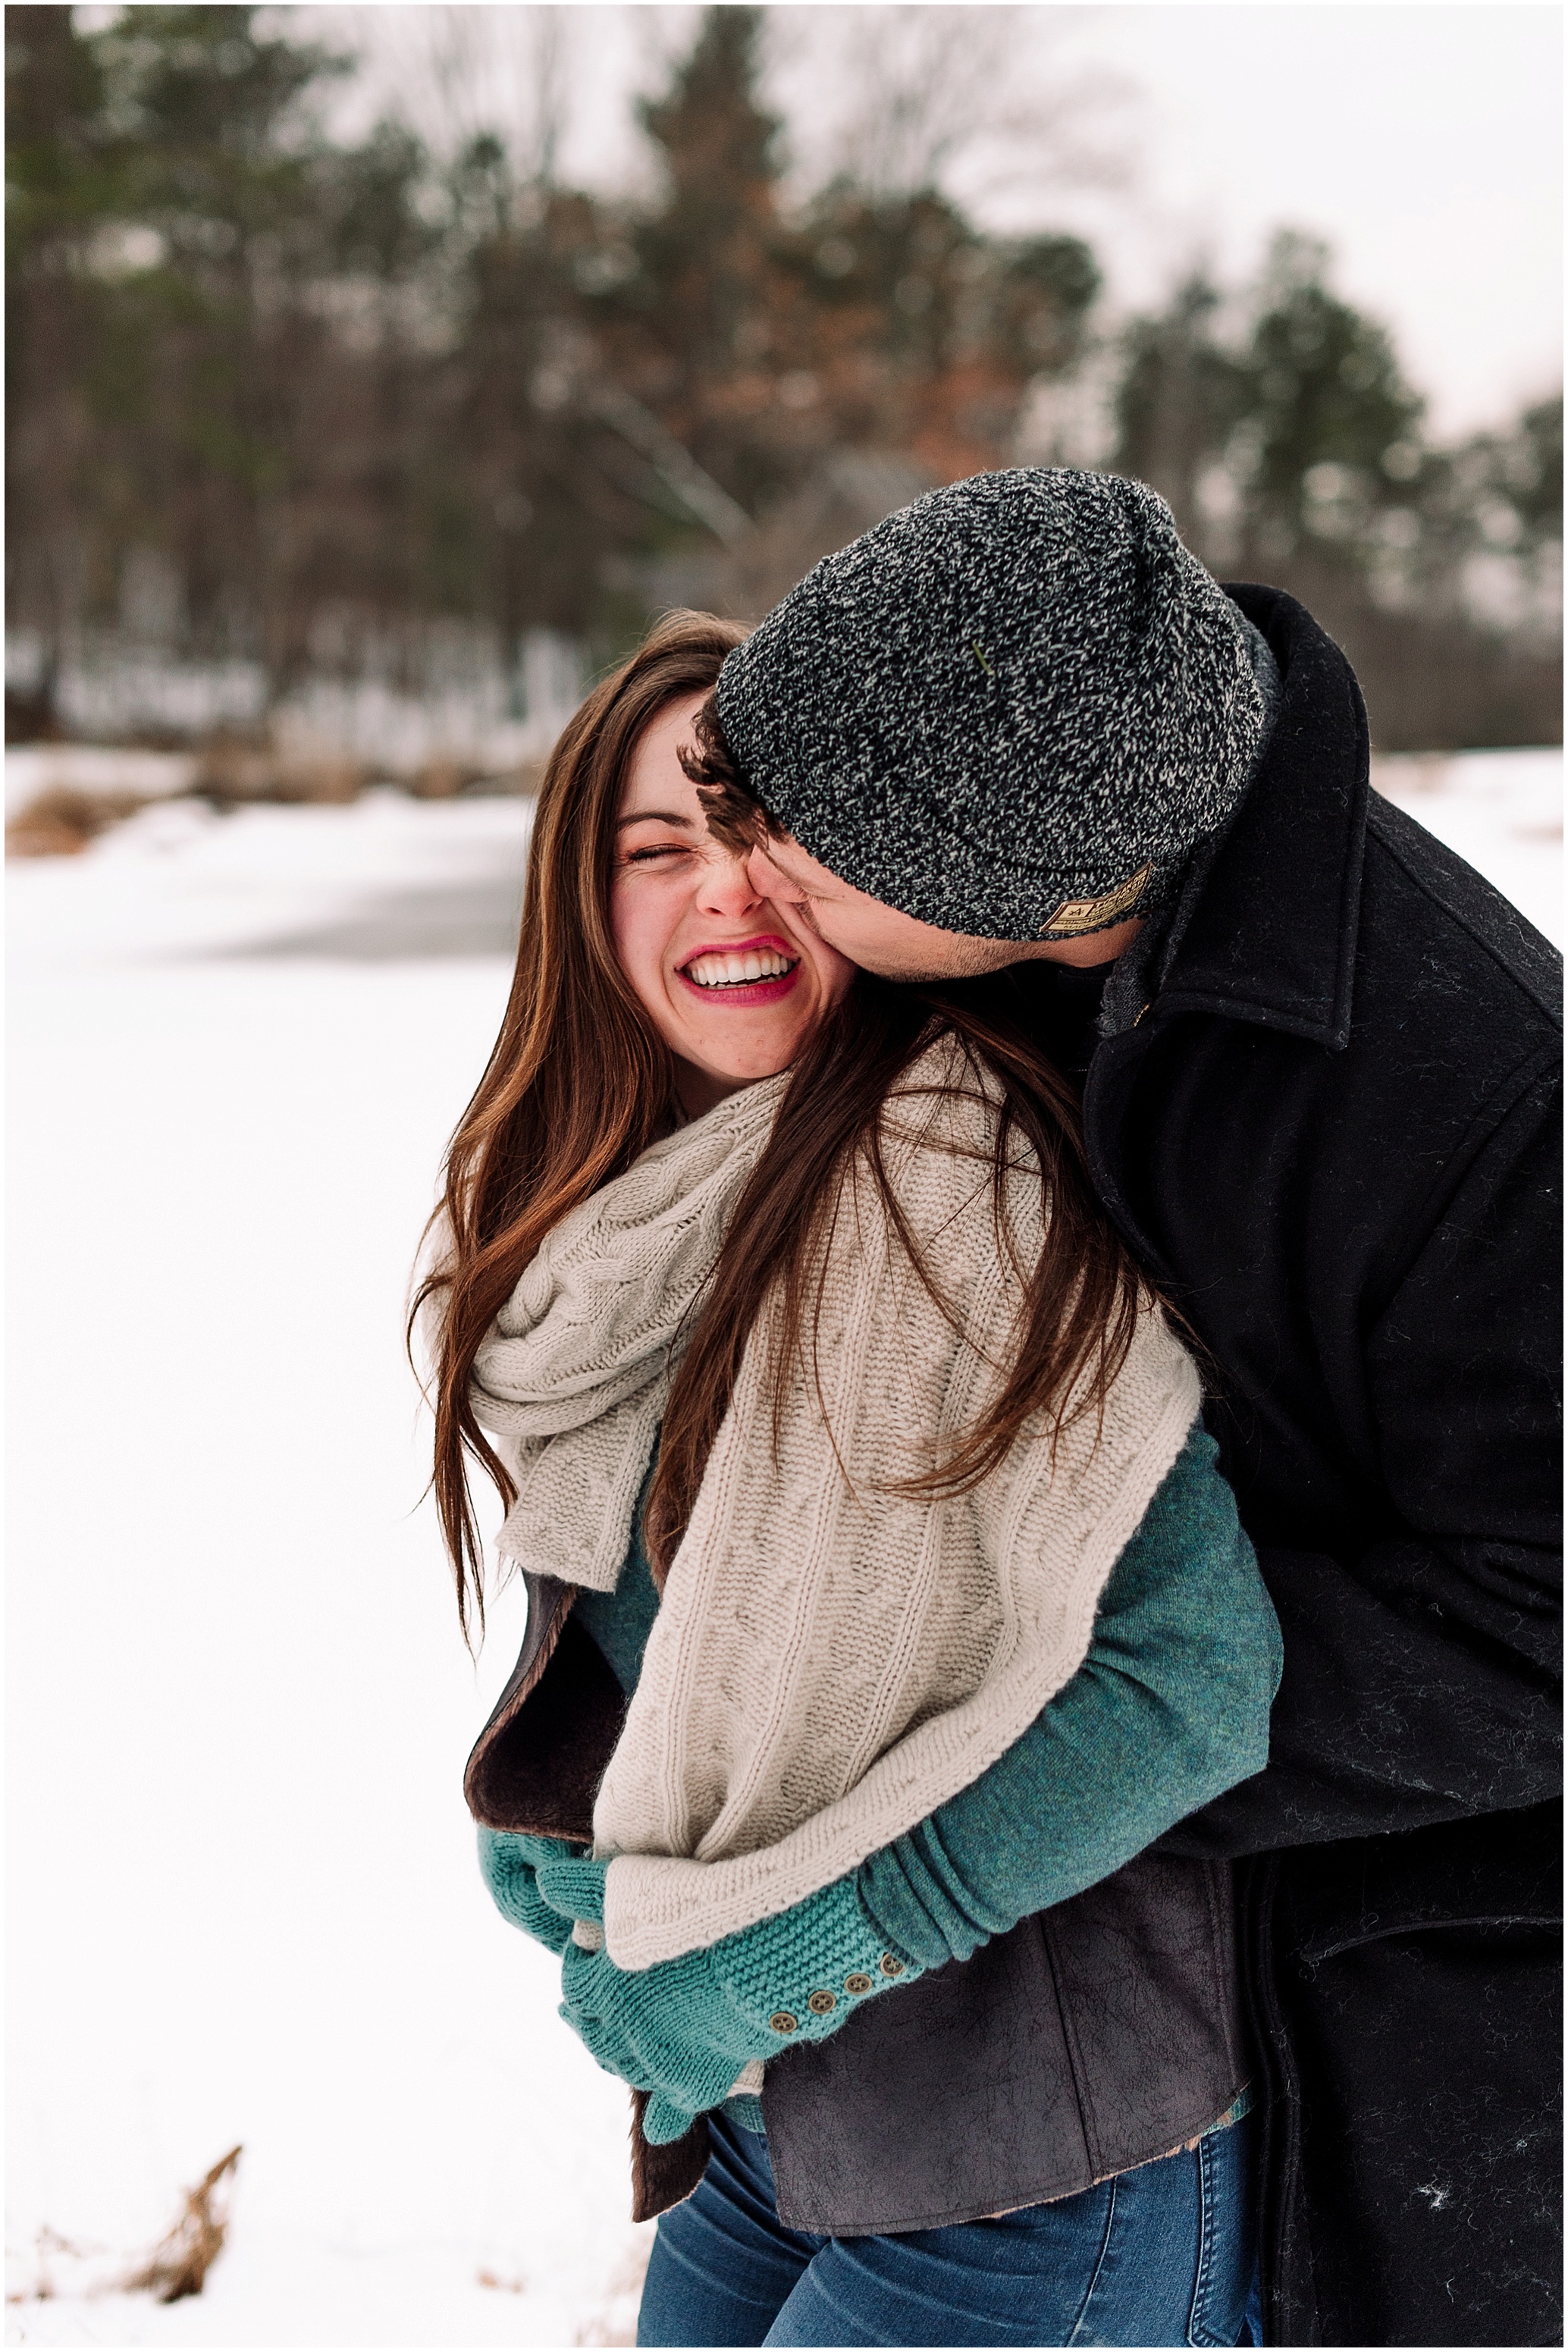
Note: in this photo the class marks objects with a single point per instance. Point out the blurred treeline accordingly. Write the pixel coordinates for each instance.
(290, 400)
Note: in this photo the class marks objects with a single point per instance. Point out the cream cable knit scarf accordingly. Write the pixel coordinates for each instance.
(831, 1661)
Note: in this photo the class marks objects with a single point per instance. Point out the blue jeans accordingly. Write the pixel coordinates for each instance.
(1162, 2256)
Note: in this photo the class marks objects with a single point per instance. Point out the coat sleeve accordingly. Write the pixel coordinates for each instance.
(1170, 1706)
(1421, 1677)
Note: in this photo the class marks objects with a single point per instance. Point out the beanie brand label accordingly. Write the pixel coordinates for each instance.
(1075, 914)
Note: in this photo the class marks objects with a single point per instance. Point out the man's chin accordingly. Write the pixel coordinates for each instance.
(966, 960)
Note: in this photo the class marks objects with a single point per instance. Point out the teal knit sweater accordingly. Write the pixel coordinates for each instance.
(1164, 1714)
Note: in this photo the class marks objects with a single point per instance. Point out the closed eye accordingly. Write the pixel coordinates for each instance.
(657, 849)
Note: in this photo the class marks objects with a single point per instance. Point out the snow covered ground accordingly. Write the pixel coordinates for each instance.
(1500, 810)
(243, 1904)
(35, 768)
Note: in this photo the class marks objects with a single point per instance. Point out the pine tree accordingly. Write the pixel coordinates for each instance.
(707, 301)
(1181, 395)
(1326, 401)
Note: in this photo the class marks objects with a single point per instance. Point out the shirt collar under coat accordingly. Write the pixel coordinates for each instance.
(1272, 936)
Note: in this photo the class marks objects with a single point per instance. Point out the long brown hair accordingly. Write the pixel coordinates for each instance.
(580, 1083)
(1076, 1303)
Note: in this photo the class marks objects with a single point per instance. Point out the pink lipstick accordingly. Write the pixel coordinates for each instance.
(745, 973)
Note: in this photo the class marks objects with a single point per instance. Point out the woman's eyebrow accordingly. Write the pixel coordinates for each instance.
(655, 816)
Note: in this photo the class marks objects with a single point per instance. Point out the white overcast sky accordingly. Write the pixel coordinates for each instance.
(1422, 142)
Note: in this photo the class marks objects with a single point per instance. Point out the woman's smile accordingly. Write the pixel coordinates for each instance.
(742, 971)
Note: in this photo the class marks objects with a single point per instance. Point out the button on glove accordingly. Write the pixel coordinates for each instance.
(510, 1862)
(685, 2029)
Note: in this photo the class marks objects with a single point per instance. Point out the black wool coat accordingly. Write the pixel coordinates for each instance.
(1333, 1137)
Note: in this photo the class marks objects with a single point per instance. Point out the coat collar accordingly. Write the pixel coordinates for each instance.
(1273, 936)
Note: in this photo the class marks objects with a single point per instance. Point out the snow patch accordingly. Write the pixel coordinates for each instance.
(1501, 811)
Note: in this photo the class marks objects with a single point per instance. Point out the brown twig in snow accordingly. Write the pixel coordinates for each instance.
(179, 2263)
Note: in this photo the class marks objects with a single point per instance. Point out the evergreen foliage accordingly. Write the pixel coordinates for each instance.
(328, 394)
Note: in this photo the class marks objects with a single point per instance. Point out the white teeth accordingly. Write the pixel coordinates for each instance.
(732, 969)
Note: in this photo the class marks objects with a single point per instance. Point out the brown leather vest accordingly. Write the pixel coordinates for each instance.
(1094, 2037)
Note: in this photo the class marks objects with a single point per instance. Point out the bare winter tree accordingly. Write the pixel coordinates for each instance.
(909, 98)
(457, 75)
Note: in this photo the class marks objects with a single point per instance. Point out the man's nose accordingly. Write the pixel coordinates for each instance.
(767, 881)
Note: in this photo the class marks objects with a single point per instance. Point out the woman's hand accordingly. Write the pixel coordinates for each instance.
(510, 1862)
(684, 2030)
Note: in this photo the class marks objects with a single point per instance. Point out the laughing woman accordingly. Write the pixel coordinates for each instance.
(886, 1606)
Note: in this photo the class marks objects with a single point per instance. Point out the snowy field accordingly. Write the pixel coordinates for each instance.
(243, 1902)
(1500, 810)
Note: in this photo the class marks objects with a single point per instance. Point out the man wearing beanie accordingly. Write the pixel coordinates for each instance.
(1019, 725)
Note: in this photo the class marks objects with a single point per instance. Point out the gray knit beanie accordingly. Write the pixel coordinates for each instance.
(1012, 709)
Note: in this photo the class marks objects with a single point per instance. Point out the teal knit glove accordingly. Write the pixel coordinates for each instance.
(508, 1862)
(685, 2029)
